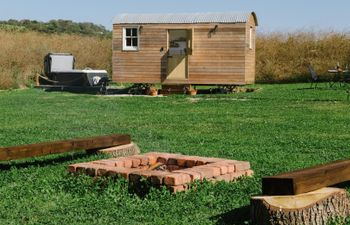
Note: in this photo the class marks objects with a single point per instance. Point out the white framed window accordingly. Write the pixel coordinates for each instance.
(131, 38)
(251, 41)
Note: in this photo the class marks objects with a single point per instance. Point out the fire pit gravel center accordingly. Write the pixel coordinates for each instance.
(175, 171)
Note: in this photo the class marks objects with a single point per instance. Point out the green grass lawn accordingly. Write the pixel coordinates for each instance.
(278, 128)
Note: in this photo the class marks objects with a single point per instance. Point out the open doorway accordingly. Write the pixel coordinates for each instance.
(179, 47)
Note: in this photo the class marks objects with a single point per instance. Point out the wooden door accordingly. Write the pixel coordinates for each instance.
(177, 58)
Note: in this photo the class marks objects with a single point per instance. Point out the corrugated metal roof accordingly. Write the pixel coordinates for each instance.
(184, 18)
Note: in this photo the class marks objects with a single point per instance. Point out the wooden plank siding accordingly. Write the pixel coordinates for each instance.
(219, 58)
(250, 53)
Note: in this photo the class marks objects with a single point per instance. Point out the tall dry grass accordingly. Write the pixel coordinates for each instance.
(280, 57)
(284, 57)
(22, 53)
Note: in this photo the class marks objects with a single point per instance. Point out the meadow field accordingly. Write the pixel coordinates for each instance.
(278, 128)
(280, 57)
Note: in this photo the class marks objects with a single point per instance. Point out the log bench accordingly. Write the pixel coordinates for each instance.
(306, 180)
(56, 147)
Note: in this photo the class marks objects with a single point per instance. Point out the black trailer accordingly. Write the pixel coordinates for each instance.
(60, 74)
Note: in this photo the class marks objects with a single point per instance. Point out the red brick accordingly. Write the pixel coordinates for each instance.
(152, 153)
(163, 157)
(127, 163)
(223, 168)
(190, 163)
(152, 159)
(135, 162)
(144, 160)
(172, 167)
(200, 163)
(112, 171)
(106, 162)
(172, 161)
(181, 161)
(249, 173)
(143, 167)
(175, 179)
(229, 165)
(242, 166)
(157, 177)
(108, 173)
(120, 164)
(73, 168)
(193, 174)
(239, 165)
(206, 171)
(208, 160)
(201, 160)
(87, 168)
(215, 170)
(231, 168)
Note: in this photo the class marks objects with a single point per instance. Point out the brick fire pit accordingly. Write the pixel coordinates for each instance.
(175, 171)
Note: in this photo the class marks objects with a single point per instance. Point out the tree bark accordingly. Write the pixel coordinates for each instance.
(312, 208)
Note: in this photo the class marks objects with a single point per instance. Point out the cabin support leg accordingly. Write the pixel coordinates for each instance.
(175, 89)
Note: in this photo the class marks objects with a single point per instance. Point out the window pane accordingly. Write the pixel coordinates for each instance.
(134, 42)
(128, 42)
(128, 31)
(134, 32)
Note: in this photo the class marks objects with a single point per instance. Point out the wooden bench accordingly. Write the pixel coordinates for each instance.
(56, 147)
(306, 180)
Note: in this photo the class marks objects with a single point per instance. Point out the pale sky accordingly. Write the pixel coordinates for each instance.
(273, 15)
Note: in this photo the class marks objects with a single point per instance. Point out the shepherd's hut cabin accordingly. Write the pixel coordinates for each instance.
(185, 49)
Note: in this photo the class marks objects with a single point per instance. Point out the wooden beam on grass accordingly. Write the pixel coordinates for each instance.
(56, 147)
(306, 180)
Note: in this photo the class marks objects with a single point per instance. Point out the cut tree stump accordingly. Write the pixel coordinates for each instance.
(312, 208)
(121, 150)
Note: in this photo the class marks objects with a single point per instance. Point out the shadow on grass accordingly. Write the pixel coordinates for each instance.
(140, 187)
(42, 162)
(236, 216)
(345, 185)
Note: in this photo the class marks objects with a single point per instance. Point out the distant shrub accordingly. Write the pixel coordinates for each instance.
(12, 28)
(57, 27)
